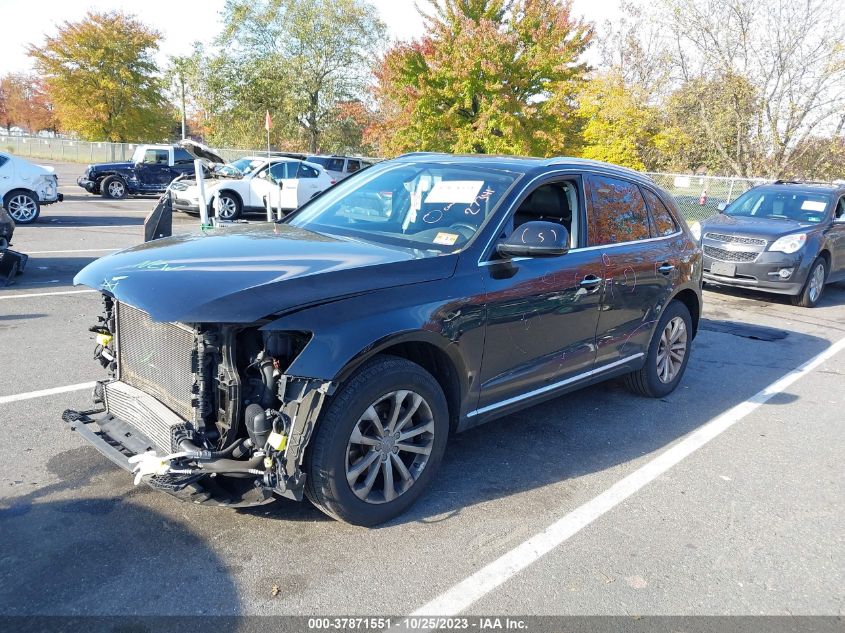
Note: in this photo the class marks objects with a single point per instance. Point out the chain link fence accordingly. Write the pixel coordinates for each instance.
(698, 197)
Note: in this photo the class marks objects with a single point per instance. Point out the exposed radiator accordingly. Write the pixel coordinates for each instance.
(145, 413)
(157, 358)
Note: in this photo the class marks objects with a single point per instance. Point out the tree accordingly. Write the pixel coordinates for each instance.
(788, 54)
(300, 59)
(619, 126)
(489, 76)
(24, 103)
(102, 78)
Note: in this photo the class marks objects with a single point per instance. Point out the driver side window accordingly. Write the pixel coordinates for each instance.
(556, 202)
(840, 209)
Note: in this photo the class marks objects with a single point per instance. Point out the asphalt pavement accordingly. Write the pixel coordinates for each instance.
(748, 523)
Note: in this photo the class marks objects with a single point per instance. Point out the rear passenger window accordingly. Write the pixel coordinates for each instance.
(662, 222)
(307, 172)
(617, 212)
(352, 166)
(335, 164)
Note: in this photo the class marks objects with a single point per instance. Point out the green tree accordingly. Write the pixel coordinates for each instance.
(489, 76)
(102, 79)
(299, 59)
(618, 124)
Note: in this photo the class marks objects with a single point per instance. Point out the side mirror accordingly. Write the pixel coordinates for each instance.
(722, 206)
(535, 239)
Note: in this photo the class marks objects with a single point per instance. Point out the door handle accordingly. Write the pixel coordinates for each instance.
(666, 269)
(591, 282)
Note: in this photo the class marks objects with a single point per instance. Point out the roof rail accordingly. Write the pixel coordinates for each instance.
(821, 183)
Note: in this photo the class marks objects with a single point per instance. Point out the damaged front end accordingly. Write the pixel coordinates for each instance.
(202, 412)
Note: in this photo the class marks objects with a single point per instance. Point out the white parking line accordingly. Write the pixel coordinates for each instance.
(24, 295)
(80, 250)
(46, 392)
(482, 582)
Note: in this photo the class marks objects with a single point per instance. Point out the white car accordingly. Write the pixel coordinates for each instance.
(24, 187)
(287, 182)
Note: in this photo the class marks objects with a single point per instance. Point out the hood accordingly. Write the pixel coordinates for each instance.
(754, 227)
(201, 151)
(243, 274)
(113, 166)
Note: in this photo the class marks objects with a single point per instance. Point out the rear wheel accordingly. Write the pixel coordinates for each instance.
(814, 286)
(378, 443)
(23, 207)
(113, 187)
(667, 356)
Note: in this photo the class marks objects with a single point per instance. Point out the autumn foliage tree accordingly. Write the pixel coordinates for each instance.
(24, 103)
(489, 76)
(103, 80)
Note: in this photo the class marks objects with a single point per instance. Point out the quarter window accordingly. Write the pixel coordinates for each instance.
(662, 222)
(3, 160)
(617, 212)
(352, 166)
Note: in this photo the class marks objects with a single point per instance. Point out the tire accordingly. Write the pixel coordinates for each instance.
(813, 289)
(23, 206)
(650, 381)
(334, 454)
(114, 187)
(230, 206)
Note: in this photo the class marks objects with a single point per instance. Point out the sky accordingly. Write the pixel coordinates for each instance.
(24, 22)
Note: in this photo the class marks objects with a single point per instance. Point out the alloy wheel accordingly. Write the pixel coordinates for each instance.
(227, 208)
(22, 208)
(390, 446)
(816, 282)
(116, 189)
(671, 350)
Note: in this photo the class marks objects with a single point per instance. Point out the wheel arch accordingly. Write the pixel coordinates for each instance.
(12, 192)
(692, 301)
(428, 355)
(233, 193)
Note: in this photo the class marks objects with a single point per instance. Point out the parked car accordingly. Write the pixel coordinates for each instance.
(25, 187)
(289, 183)
(150, 170)
(339, 167)
(332, 353)
(784, 238)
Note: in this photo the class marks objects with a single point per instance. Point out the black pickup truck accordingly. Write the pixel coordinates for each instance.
(150, 171)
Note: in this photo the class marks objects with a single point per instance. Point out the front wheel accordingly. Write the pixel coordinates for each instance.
(113, 187)
(378, 443)
(23, 207)
(667, 356)
(812, 291)
(229, 206)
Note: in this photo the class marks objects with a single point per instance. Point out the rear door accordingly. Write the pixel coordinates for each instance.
(638, 263)
(309, 184)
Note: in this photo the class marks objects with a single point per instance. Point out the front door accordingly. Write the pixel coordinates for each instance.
(638, 271)
(154, 172)
(274, 183)
(541, 312)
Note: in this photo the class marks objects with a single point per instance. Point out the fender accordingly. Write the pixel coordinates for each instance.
(346, 333)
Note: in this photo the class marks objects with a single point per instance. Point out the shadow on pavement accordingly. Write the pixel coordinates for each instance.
(107, 555)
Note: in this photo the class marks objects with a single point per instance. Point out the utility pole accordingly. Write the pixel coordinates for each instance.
(182, 86)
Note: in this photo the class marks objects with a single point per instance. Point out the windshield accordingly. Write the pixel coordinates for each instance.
(243, 166)
(426, 206)
(781, 204)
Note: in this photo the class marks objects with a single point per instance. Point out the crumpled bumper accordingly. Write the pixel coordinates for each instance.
(88, 425)
(88, 185)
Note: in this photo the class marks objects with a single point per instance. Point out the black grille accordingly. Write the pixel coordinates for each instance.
(730, 256)
(736, 239)
(157, 358)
